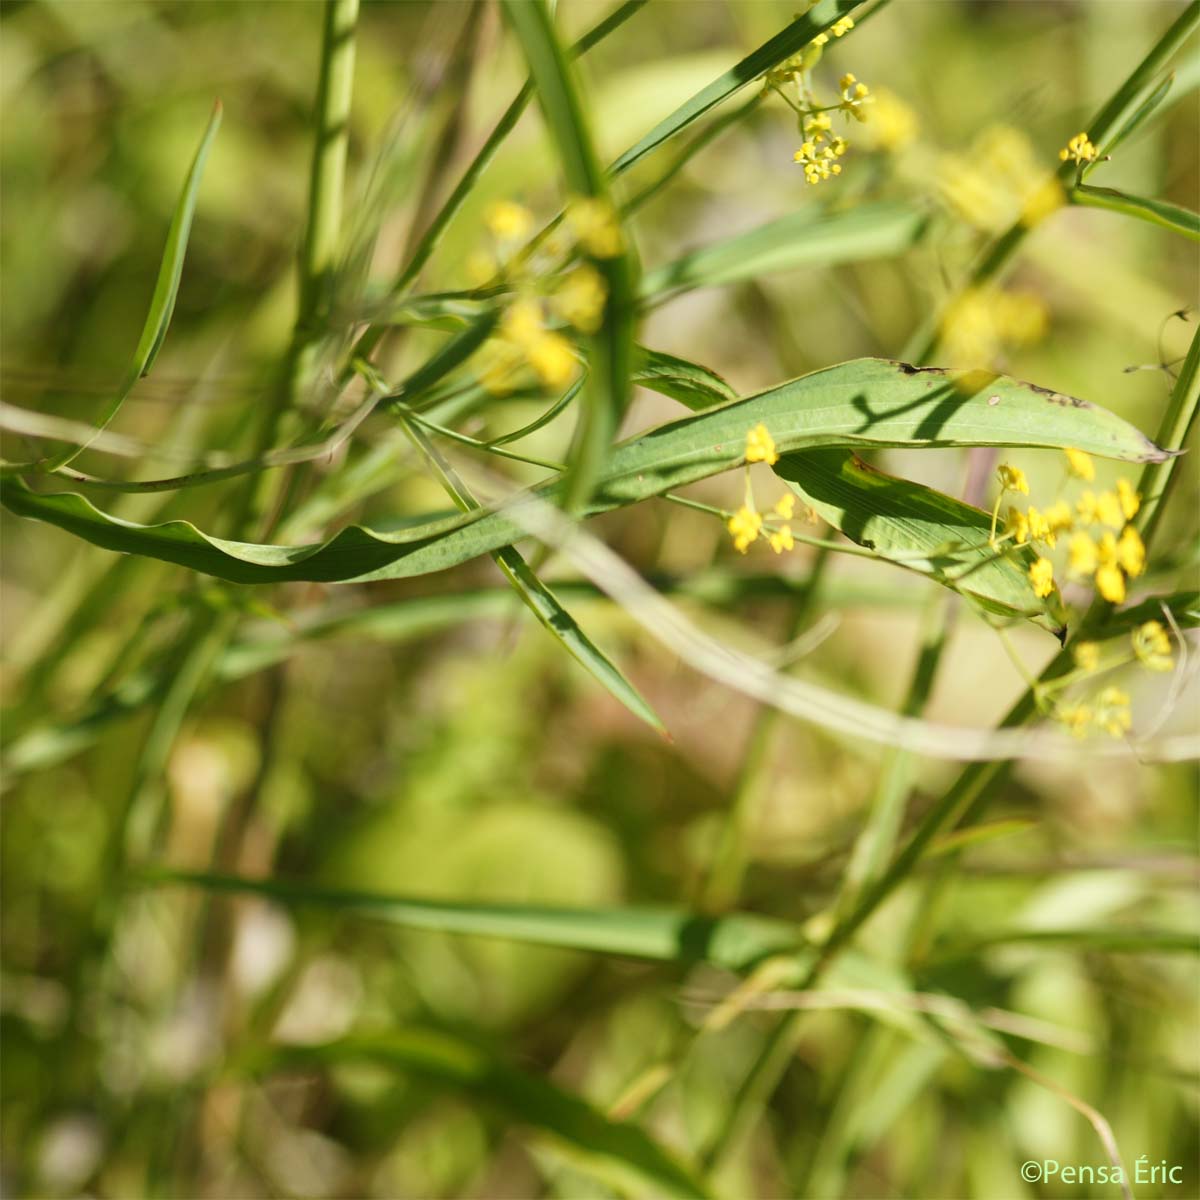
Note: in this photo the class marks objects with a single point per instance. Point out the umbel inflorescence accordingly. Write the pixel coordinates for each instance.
(1103, 550)
(820, 148)
(550, 297)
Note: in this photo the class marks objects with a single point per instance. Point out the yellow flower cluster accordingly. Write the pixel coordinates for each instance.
(981, 321)
(1094, 549)
(747, 524)
(819, 149)
(998, 181)
(594, 225)
(819, 153)
(524, 338)
(1079, 150)
(1109, 711)
(760, 446)
(1152, 647)
(893, 125)
(1109, 708)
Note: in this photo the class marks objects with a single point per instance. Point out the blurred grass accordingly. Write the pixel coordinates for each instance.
(473, 762)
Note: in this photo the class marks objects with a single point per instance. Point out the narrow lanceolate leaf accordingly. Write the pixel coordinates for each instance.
(1144, 111)
(162, 303)
(691, 384)
(735, 942)
(806, 238)
(784, 44)
(1157, 212)
(862, 403)
(920, 529)
(610, 349)
(617, 1152)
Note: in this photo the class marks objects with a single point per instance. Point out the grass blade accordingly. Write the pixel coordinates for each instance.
(610, 349)
(166, 289)
(736, 941)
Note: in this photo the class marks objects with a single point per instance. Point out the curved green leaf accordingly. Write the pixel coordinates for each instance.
(1156, 212)
(920, 529)
(865, 402)
(691, 384)
(166, 288)
(617, 1151)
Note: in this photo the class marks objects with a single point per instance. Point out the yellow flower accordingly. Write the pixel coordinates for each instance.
(855, 97)
(1130, 500)
(1086, 507)
(1020, 316)
(579, 299)
(508, 221)
(523, 338)
(998, 180)
(594, 224)
(1110, 583)
(1040, 529)
(1083, 554)
(1012, 479)
(481, 268)
(521, 323)
(1087, 656)
(1059, 517)
(786, 506)
(1079, 150)
(1041, 575)
(760, 446)
(1080, 464)
(782, 539)
(1108, 510)
(552, 359)
(1045, 198)
(1131, 552)
(1016, 523)
(893, 125)
(1076, 717)
(842, 26)
(1152, 646)
(744, 526)
(1112, 711)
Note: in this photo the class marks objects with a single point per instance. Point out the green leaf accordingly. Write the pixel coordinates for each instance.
(1156, 212)
(610, 350)
(734, 941)
(691, 384)
(919, 529)
(166, 288)
(617, 1151)
(865, 402)
(784, 44)
(809, 237)
(1142, 113)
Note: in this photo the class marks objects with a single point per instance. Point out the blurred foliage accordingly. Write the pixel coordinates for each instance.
(472, 761)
